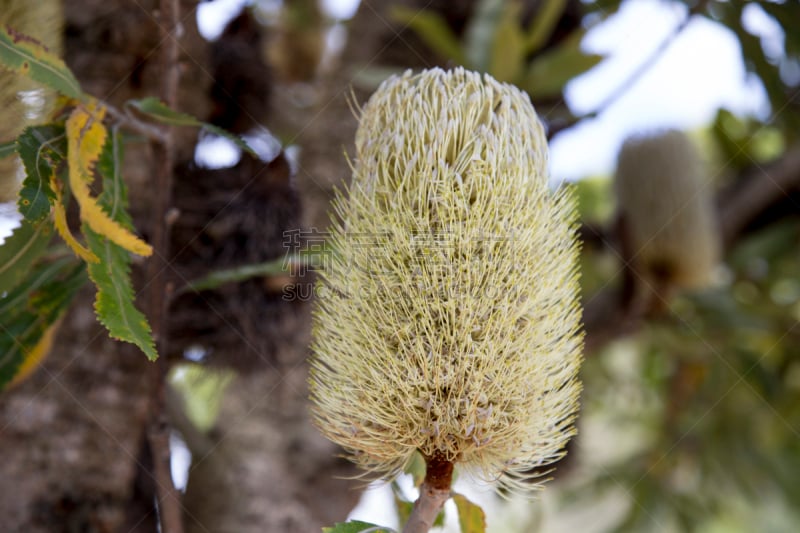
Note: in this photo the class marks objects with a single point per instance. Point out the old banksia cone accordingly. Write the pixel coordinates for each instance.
(665, 198)
(448, 320)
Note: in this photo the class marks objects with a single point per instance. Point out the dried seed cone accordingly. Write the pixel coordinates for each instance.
(448, 320)
(664, 195)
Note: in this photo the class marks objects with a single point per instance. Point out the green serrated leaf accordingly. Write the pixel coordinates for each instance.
(471, 518)
(20, 250)
(158, 111)
(25, 55)
(8, 149)
(432, 28)
(550, 71)
(543, 24)
(114, 304)
(41, 148)
(38, 305)
(356, 526)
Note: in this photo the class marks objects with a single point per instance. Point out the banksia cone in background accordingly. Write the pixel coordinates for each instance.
(448, 319)
(665, 198)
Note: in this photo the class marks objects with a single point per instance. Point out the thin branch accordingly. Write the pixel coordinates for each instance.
(158, 433)
(433, 494)
(759, 188)
(130, 122)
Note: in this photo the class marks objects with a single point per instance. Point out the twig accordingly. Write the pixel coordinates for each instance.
(433, 494)
(169, 499)
(151, 131)
(759, 188)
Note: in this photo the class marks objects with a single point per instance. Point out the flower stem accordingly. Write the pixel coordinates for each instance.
(433, 494)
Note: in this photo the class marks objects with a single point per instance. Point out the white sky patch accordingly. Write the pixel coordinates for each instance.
(697, 74)
(212, 17)
(213, 151)
(339, 9)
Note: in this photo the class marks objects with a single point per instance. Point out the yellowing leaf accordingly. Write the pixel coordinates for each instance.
(25, 55)
(34, 357)
(86, 136)
(60, 220)
(471, 518)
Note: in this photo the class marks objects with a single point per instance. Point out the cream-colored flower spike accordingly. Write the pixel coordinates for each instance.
(448, 321)
(664, 194)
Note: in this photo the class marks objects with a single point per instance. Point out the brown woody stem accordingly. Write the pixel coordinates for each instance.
(170, 510)
(433, 494)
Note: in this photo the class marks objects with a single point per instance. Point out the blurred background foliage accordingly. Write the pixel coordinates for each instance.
(691, 418)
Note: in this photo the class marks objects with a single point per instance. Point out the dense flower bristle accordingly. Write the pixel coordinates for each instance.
(448, 321)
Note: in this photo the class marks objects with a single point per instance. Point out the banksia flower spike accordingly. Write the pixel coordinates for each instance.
(665, 198)
(448, 320)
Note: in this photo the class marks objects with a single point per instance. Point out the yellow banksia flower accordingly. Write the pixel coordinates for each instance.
(664, 194)
(448, 320)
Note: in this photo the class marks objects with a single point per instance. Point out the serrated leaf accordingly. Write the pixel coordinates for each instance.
(356, 526)
(8, 149)
(37, 307)
(86, 137)
(41, 148)
(160, 112)
(27, 56)
(543, 24)
(114, 303)
(432, 28)
(551, 70)
(471, 518)
(20, 250)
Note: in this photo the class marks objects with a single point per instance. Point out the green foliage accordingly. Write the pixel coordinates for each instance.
(356, 526)
(8, 149)
(19, 251)
(202, 390)
(59, 161)
(28, 311)
(702, 402)
(495, 42)
(41, 149)
(25, 55)
(154, 109)
(471, 518)
(114, 304)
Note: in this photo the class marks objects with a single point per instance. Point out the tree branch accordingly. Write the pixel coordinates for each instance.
(158, 432)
